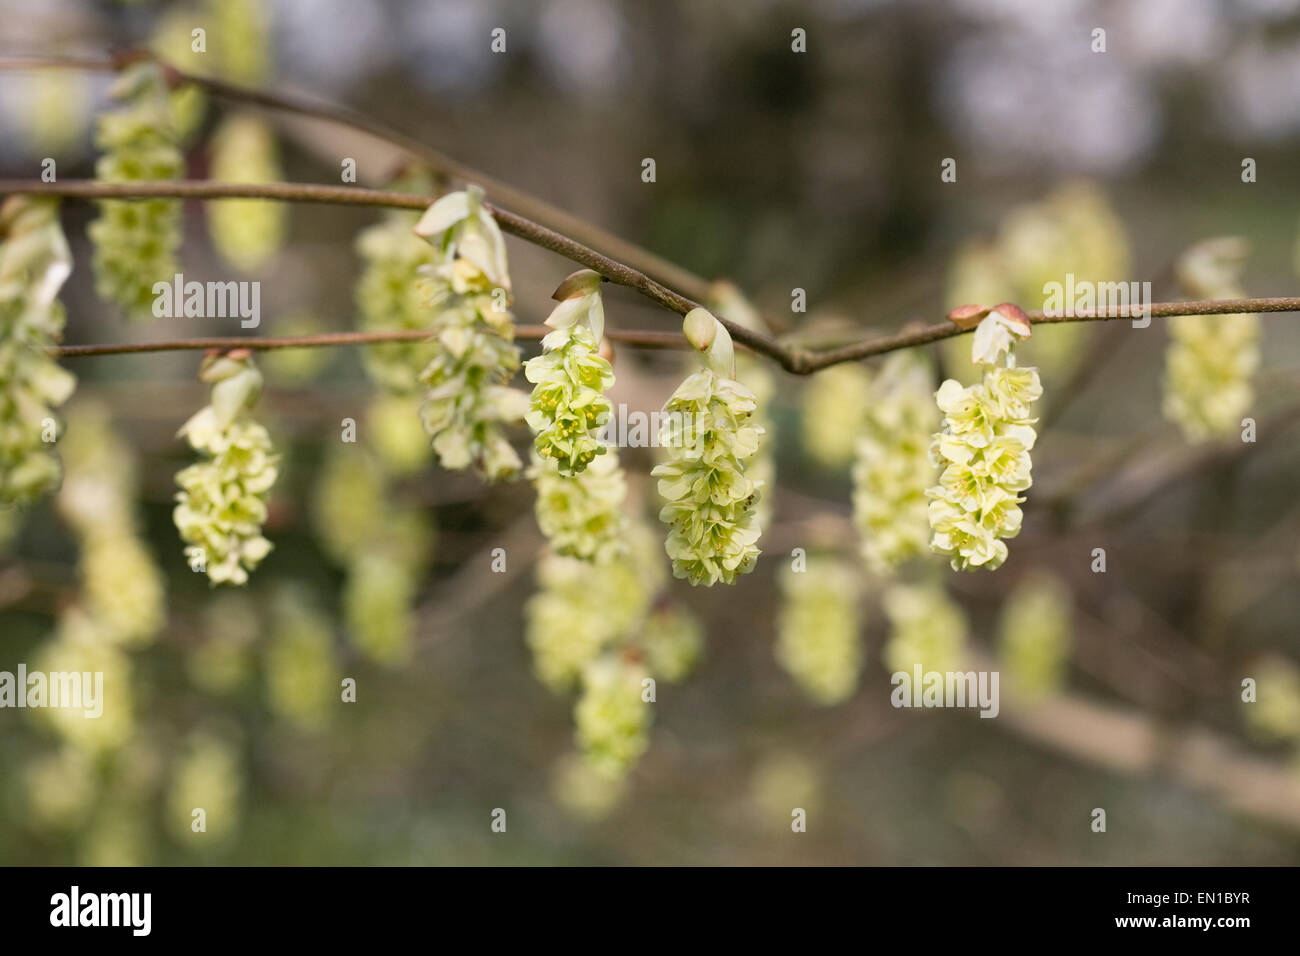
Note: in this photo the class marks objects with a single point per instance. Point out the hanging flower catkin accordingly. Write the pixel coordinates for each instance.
(34, 263)
(597, 624)
(709, 437)
(818, 639)
(1034, 635)
(984, 446)
(248, 233)
(612, 718)
(1211, 358)
(468, 404)
(727, 301)
(571, 377)
(893, 466)
(927, 630)
(123, 588)
(396, 290)
(825, 399)
(581, 516)
(222, 503)
(136, 240)
(582, 609)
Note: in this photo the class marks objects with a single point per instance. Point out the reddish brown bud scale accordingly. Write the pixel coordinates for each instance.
(968, 316)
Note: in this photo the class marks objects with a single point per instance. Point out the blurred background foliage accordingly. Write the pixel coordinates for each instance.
(777, 170)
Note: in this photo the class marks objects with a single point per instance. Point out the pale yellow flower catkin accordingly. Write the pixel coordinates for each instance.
(223, 661)
(782, 783)
(222, 504)
(34, 263)
(469, 404)
(595, 624)
(833, 401)
(892, 468)
(1211, 358)
(241, 39)
(818, 627)
(83, 645)
(298, 664)
(136, 240)
(927, 630)
(761, 378)
(384, 548)
(123, 587)
(397, 292)
(582, 609)
(1275, 713)
(1034, 635)
(581, 515)
(53, 112)
(709, 439)
(673, 640)
(395, 433)
(613, 720)
(983, 449)
(378, 606)
(583, 790)
(208, 776)
(61, 788)
(568, 406)
(248, 233)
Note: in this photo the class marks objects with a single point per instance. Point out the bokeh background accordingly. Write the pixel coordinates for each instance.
(777, 170)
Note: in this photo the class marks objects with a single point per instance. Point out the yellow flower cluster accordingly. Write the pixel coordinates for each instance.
(581, 515)
(596, 625)
(1034, 635)
(709, 439)
(221, 506)
(830, 396)
(34, 262)
(468, 404)
(893, 466)
(248, 233)
(984, 448)
(136, 240)
(392, 293)
(123, 587)
(299, 669)
(1211, 358)
(926, 629)
(757, 373)
(818, 631)
(384, 548)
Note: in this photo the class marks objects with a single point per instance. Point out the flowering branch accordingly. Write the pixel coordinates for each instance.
(798, 361)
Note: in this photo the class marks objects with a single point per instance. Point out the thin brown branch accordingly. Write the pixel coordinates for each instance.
(1159, 310)
(641, 339)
